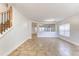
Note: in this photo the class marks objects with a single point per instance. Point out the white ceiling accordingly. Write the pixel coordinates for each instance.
(45, 11)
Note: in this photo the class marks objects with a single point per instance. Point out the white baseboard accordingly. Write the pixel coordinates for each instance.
(6, 31)
(6, 54)
(70, 41)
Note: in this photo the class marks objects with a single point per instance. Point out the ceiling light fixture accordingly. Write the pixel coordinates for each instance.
(50, 20)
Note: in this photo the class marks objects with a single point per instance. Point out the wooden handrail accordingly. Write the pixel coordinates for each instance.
(6, 10)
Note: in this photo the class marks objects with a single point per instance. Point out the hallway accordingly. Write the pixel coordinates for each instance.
(46, 47)
(49, 29)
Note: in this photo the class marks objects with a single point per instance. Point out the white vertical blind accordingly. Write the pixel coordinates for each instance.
(64, 30)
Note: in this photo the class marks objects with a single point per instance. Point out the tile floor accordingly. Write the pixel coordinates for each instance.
(46, 47)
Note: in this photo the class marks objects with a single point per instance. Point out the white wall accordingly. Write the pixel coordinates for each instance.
(20, 32)
(74, 29)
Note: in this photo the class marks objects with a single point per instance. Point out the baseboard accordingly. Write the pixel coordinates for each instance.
(9, 52)
(69, 41)
(6, 32)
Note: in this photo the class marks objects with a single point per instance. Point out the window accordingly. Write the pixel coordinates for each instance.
(47, 28)
(64, 30)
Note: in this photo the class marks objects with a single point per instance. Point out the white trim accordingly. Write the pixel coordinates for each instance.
(6, 31)
(47, 34)
(7, 53)
(69, 41)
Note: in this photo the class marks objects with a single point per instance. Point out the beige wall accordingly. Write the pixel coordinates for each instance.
(74, 29)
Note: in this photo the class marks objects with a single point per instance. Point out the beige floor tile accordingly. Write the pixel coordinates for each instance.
(46, 47)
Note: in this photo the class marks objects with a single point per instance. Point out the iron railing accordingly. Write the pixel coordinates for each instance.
(5, 20)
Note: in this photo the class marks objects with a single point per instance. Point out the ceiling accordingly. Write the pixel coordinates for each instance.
(46, 11)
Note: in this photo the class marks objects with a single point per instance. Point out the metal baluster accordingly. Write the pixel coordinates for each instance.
(2, 24)
(4, 21)
(7, 20)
